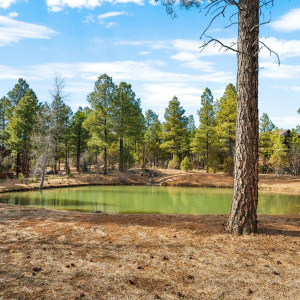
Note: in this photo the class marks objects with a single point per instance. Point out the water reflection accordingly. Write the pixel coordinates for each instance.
(148, 199)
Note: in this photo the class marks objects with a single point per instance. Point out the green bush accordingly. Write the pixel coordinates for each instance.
(174, 163)
(228, 166)
(21, 176)
(186, 165)
(33, 180)
(70, 175)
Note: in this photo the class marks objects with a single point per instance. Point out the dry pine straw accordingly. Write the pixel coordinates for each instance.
(48, 254)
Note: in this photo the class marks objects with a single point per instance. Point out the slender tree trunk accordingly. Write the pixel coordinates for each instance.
(105, 161)
(264, 164)
(243, 216)
(27, 165)
(78, 156)
(55, 160)
(230, 147)
(206, 154)
(23, 162)
(105, 152)
(66, 158)
(44, 163)
(121, 160)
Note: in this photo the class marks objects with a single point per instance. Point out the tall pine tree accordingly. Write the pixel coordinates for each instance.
(205, 138)
(266, 127)
(128, 120)
(175, 137)
(226, 119)
(20, 128)
(100, 121)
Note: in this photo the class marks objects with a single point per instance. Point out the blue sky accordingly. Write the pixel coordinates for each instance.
(137, 42)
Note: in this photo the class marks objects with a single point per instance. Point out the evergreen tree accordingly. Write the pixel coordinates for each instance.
(278, 159)
(226, 119)
(186, 165)
(4, 104)
(18, 92)
(152, 137)
(265, 124)
(205, 140)
(79, 134)
(191, 127)
(20, 127)
(266, 127)
(294, 152)
(100, 121)
(11, 101)
(128, 119)
(175, 129)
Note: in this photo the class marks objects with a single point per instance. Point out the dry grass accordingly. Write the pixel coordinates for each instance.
(48, 254)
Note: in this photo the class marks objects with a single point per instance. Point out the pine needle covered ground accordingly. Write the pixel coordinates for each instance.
(47, 254)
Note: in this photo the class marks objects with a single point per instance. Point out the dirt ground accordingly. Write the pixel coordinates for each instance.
(168, 177)
(47, 254)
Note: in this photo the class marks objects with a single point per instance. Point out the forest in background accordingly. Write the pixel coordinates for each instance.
(114, 132)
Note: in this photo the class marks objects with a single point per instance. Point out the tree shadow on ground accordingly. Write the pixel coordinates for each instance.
(278, 232)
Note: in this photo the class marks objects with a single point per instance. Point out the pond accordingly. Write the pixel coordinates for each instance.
(148, 200)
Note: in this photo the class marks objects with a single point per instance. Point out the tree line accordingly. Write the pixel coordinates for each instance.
(113, 132)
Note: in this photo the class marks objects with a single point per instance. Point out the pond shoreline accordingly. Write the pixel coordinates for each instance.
(270, 183)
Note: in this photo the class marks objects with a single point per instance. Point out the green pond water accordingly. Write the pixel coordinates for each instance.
(148, 199)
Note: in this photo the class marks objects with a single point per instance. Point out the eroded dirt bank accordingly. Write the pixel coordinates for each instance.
(165, 177)
(47, 254)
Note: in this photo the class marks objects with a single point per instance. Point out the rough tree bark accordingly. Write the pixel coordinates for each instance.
(243, 216)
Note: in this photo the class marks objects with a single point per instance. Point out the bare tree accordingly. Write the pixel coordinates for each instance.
(243, 213)
(61, 116)
(43, 141)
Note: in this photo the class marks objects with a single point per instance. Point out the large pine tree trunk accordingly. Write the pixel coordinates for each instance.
(243, 217)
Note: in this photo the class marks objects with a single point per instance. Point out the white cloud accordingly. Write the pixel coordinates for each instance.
(284, 48)
(284, 71)
(144, 52)
(183, 45)
(288, 22)
(13, 14)
(286, 122)
(57, 5)
(111, 14)
(111, 24)
(55, 8)
(153, 2)
(191, 60)
(159, 94)
(145, 71)
(12, 31)
(185, 56)
(287, 87)
(89, 19)
(6, 3)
